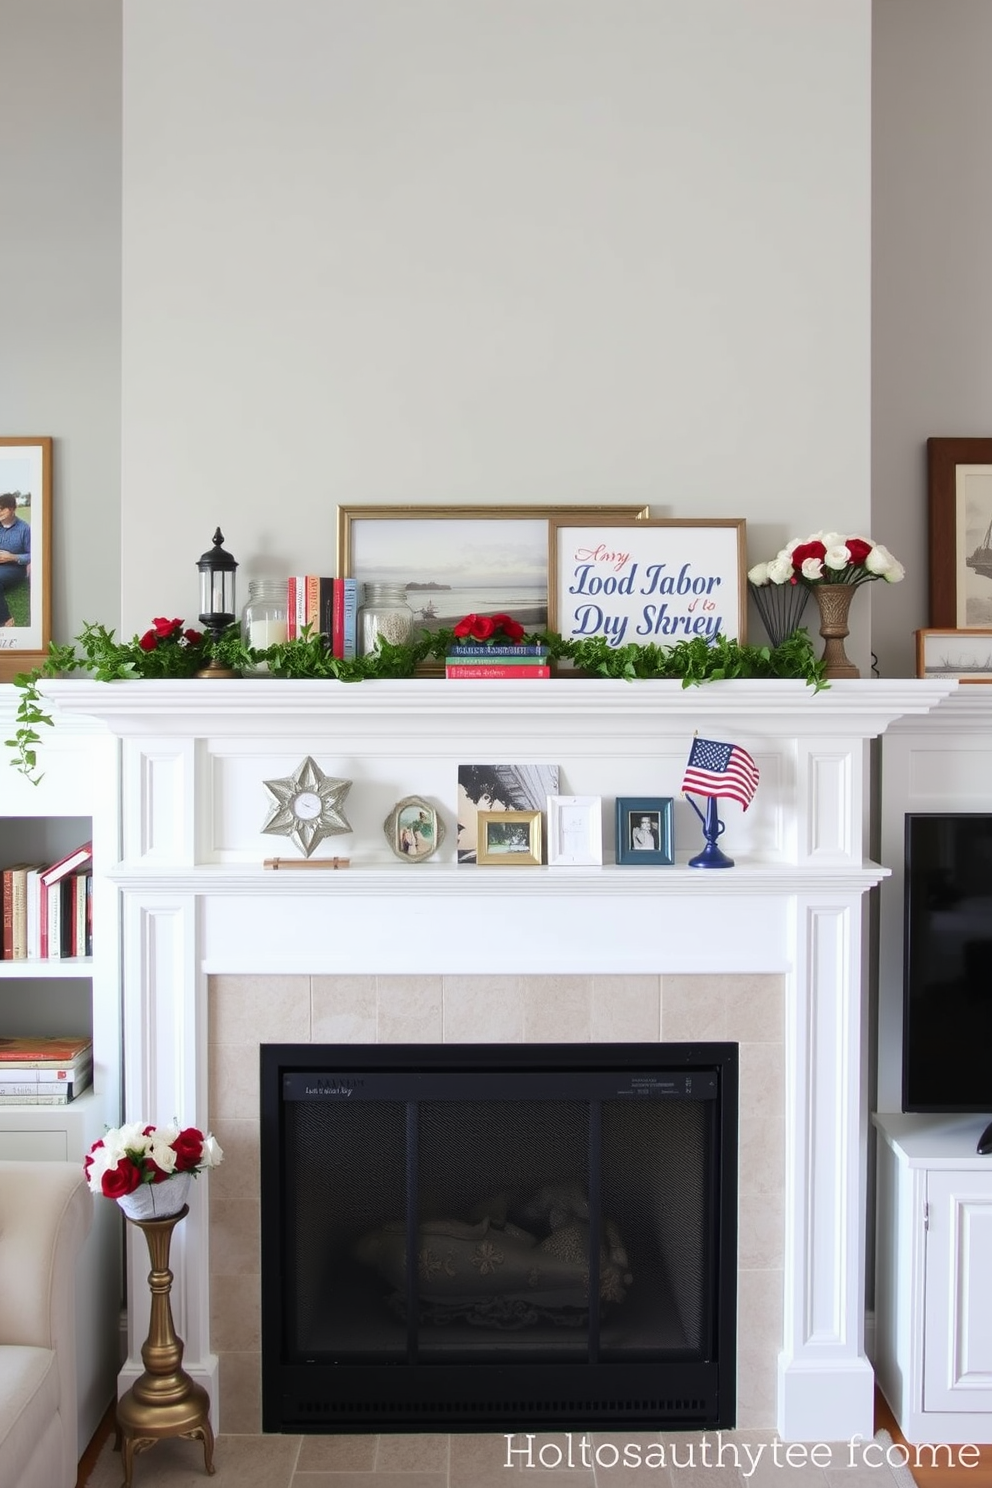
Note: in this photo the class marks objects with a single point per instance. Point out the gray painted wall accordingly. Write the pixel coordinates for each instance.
(932, 275)
(631, 273)
(60, 280)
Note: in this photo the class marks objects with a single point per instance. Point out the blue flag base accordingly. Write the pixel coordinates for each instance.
(711, 855)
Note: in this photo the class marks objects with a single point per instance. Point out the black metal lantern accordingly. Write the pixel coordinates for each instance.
(217, 603)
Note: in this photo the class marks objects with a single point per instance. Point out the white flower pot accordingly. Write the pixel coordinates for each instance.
(157, 1200)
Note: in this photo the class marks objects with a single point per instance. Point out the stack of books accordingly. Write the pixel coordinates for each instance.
(48, 908)
(328, 606)
(44, 1071)
(513, 662)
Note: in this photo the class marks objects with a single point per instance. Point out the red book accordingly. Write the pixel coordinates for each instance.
(8, 914)
(78, 858)
(291, 608)
(61, 1052)
(337, 619)
(514, 673)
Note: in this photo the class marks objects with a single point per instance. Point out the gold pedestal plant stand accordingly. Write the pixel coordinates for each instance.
(164, 1401)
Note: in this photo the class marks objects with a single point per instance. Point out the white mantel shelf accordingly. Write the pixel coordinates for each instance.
(195, 900)
(170, 707)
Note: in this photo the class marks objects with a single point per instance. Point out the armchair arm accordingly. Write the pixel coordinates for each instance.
(46, 1211)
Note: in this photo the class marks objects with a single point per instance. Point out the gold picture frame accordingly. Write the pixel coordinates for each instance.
(26, 474)
(447, 556)
(509, 837)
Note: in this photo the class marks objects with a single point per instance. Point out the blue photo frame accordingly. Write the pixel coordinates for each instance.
(645, 836)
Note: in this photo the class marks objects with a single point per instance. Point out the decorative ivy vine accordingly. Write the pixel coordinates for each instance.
(177, 653)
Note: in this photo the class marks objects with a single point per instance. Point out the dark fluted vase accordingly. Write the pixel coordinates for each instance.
(834, 601)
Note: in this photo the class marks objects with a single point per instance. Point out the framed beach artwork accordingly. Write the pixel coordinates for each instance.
(459, 560)
(25, 553)
(964, 654)
(510, 838)
(655, 581)
(960, 533)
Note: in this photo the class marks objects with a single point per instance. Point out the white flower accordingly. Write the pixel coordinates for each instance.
(212, 1153)
(895, 573)
(881, 563)
(812, 568)
(780, 570)
(837, 556)
(128, 1138)
(830, 539)
(758, 574)
(162, 1155)
(104, 1160)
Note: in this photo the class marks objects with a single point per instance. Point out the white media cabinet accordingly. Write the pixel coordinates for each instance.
(933, 1302)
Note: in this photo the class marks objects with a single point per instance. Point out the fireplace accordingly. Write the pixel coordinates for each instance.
(460, 1237)
(196, 905)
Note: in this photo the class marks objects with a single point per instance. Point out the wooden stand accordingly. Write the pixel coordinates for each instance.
(163, 1401)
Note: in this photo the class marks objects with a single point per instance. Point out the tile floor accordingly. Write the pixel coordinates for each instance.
(480, 1461)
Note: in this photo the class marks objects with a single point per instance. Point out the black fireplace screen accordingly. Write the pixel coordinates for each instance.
(463, 1236)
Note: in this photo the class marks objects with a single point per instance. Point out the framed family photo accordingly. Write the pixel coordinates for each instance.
(510, 837)
(959, 475)
(645, 832)
(25, 553)
(413, 829)
(453, 561)
(575, 831)
(964, 654)
(656, 581)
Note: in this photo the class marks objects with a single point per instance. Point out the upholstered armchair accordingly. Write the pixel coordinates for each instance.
(46, 1211)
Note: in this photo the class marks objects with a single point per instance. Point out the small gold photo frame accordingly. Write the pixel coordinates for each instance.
(512, 837)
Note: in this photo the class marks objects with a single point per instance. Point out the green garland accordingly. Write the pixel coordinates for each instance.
(173, 655)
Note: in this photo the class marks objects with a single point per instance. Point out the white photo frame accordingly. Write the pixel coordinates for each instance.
(575, 831)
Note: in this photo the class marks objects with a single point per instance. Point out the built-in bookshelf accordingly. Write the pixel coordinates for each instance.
(75, 801)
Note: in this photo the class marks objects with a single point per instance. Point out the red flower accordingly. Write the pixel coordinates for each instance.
(488, 627)
(802, 551)
(858, 549)
(148, 641)
(88, 1159)
(123, 1179)
(511, 628)
(165, 628)
(188, 1148)
(194, 637)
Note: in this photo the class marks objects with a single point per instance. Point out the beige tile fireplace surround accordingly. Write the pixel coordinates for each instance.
(218, 955)
(244, 1011)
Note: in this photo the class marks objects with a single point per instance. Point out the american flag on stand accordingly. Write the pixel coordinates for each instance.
(715, 769)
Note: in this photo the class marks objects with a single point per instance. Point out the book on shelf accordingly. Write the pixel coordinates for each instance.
(49, 1098)
(44, 1092)
(15, 911)
(79, 1075)
(59, 1051)
(501, 653)
(516, 673)
(80, 857)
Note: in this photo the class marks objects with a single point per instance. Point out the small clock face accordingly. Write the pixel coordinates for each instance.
(307, 806)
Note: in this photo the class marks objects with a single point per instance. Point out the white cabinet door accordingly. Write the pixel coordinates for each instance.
(957, 1367)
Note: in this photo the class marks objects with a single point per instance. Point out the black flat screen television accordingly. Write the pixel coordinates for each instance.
(947, 963)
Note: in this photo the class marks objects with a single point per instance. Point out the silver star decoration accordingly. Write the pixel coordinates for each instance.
(284, 821)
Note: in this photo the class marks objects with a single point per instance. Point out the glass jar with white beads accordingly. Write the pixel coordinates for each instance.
(384, 613)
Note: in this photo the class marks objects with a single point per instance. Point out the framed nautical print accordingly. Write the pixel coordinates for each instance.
(960, 533)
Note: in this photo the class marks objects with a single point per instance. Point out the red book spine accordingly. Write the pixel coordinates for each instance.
(337, 619)
(512, 672)
(291, 608)
(8, 915)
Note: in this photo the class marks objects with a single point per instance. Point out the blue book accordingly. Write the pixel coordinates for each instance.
(350, 618)
(476, 652)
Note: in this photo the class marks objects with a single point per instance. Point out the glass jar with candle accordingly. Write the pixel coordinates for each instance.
(263, 620)
(385, 613)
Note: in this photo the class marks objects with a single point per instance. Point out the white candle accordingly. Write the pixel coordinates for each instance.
(265, 633)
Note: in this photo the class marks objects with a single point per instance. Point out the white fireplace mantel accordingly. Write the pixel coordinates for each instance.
(195, 899)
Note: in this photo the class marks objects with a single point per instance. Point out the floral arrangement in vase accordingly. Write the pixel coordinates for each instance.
(147, 1169)
(489, 630)
(830, 566)
(828, 558)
